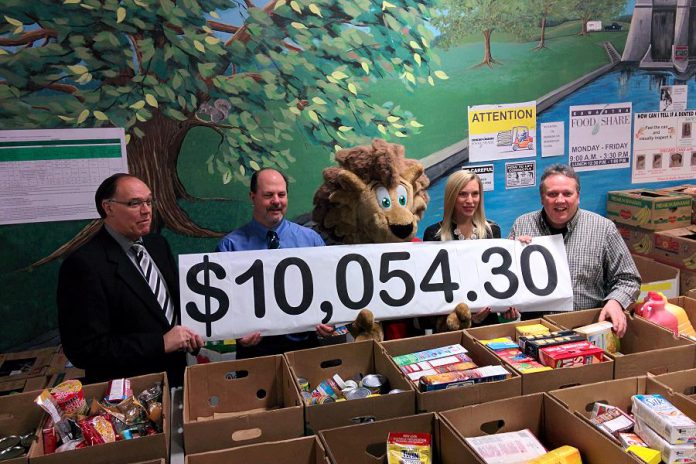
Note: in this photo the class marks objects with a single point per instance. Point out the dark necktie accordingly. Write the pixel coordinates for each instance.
(153, 280)
(272, 240)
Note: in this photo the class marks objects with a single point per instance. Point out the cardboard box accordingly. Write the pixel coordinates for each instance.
(462, 396)
(18, 416)
(657, 277)
(234, 403)
(689, 306)
(639, 241)
(691, 293)
(552, 424)
(61, 366)
(646, 347)
(367, 443)
(687, 282)
(580, 400)
(151, 447)
(305, 450)
(547, 380)
(12, 387)
(676, 247)
(649, 209)
(347, 360)
(686, 189)
(679, 383)
(23, 364)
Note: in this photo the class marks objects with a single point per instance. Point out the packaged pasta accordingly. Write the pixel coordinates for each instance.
(409, 448)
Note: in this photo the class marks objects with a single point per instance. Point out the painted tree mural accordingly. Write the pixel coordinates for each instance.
(159, 68)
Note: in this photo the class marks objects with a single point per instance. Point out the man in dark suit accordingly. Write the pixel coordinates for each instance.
(118, 294)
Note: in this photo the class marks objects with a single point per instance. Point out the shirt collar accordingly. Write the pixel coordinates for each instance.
(124, 242)
(262, 230)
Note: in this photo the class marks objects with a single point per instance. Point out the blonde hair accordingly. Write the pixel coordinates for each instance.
(455, 183)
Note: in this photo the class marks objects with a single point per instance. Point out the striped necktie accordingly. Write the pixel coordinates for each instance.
(159, 289)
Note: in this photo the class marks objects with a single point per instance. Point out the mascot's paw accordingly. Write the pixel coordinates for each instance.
(364, 327)
(458, 319)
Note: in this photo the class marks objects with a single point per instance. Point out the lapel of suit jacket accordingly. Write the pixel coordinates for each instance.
(127, 271)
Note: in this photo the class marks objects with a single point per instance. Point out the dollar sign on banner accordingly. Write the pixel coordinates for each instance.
(210, 292)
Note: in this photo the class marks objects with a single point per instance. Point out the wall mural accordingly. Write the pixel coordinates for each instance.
(211, 90)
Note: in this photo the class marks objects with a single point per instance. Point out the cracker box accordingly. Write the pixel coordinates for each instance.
(649, 209)
(663, 417)
(671, 453)
(507, 447)
(570, 355)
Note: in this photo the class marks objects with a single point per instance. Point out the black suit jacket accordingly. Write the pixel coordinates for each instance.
(110, 322)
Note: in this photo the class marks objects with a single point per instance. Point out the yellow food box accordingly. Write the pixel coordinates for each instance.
(531, 329)
(647, 455)
(562, 455)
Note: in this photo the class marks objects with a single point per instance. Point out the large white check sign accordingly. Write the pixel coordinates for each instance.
(229, 295)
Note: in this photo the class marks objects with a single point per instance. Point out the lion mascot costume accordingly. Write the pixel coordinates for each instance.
(376, 195)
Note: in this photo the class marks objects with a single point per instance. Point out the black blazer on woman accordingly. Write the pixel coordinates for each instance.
(110, 322)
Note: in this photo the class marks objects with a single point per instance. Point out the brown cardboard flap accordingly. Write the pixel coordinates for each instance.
(305, 450)
(682, 382)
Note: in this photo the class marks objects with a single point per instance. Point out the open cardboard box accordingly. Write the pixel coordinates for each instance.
(552, 424)
(547, 380)
(234, 403)
(646, 347)
(151, 447)
(349, 360)
(24, 364)
(12, 387)
(580, 400)
(679, 383)
(367, 443)
(19, 416)
(460, 396)
(305, 450)
(656, 277)
(685, 189)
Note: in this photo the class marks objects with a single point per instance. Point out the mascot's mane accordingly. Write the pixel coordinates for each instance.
(346, 197)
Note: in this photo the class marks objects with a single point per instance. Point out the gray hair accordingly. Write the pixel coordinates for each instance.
(562, 169)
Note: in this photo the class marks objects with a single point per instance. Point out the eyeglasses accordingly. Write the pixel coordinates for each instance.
(272, 240)
(136, 203)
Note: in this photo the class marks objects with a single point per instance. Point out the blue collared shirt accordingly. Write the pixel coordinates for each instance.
(252, 236)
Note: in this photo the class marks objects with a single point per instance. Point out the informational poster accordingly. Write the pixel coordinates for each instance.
(502, 131)
(599, 136)
(229, 295)
(552, 138)
(520, 174)
(52, 174)
(673, 97)
(486, 174)
(665, 147)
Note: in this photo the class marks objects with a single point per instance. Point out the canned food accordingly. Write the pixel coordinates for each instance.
(303, 384)
(397, 390)
(376, 383)
(307, 398)
(325, 399)
(358, 393)
(350, 383)
(9, 441)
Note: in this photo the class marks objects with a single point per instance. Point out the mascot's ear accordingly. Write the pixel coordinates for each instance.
(413, 171)
(350, 182)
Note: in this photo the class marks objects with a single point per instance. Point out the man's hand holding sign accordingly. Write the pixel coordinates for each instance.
(228, 295)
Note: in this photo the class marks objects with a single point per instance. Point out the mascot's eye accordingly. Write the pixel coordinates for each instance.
(383, 198)
(402, 195)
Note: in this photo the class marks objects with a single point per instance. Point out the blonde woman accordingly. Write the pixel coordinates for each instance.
(464, 219)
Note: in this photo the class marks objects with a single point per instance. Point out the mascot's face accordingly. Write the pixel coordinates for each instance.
(388, 212)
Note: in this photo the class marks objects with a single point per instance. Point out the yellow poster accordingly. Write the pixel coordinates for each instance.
(502, 131)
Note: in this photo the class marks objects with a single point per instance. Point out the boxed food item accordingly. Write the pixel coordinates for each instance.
(461, 378)
(507, 447)
(570, 354)
(532, 345)
(600, 334)
(530, 330)
(437, 366)
(649, 209)
(671, 453)
(409, 447)
(663, 417)
(427, 355)
(612, 421)
(234, 403)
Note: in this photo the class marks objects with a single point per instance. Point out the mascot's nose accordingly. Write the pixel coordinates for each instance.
(401, 231)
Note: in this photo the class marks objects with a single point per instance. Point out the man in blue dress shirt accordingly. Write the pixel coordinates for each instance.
(269, 229)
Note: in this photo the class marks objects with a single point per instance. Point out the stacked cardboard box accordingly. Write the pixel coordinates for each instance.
(685, 189)
(677, 247)
(638, 213)
(25, 371)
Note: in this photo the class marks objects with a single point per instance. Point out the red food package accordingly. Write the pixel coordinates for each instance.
(97, 430)
(50, 437)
